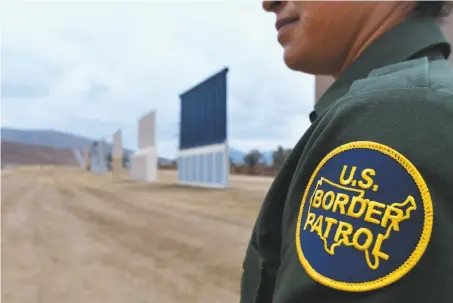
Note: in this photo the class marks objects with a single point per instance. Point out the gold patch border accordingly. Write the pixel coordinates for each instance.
(421, 245)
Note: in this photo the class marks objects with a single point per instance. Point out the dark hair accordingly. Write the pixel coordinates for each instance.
(435, 9)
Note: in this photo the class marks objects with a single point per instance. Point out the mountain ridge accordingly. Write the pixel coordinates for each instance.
(65, 140)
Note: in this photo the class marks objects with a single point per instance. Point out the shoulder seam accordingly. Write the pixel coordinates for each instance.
(426, 90)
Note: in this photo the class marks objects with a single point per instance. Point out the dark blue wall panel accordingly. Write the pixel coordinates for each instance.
(204, 113)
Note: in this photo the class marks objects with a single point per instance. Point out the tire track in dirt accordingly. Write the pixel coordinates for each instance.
(235, 206)
(50, 257)
(178, 260)
(167, 208)
(82, 272)
(20, 261)
(87, 238)
(12, 191)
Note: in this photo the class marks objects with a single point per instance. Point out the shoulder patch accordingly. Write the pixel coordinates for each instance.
(365, 218)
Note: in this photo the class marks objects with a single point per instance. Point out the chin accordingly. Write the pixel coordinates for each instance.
(290, 62)
(297, 60)
(294, 60)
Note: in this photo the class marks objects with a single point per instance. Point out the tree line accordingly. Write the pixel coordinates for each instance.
(254, 161)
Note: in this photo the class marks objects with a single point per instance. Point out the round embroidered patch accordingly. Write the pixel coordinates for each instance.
(365, 219)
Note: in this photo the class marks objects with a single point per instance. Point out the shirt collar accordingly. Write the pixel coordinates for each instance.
(396, 45)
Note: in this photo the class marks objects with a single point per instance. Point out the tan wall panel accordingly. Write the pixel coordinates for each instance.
(322, 83)
(147, 131)
(117, 150)
(117, 168)
(86, 157)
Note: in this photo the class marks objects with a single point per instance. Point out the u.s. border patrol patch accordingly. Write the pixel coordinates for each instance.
(365, 219)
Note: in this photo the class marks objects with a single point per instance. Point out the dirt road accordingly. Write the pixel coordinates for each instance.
(69, 236)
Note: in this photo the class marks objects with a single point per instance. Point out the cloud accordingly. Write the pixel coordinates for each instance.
(96, 90)
(12, 90)
(26, 75)
(93, 68)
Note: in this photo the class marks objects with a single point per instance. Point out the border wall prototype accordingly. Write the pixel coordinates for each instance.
(322, 83)
(98, 157)
(79, 157)
(143, 163)
(86, 157)
(117, 154)
(203, 158)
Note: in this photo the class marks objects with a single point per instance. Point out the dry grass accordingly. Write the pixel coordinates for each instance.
(14, 153)
(69, 236)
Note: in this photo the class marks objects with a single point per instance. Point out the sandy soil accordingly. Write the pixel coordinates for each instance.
(69, 236)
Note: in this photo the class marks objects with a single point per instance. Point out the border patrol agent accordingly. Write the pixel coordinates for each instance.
(362, 209)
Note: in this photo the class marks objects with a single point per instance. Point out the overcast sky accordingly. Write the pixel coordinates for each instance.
(90, 69)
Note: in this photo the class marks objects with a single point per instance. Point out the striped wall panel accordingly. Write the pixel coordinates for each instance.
(204, 167)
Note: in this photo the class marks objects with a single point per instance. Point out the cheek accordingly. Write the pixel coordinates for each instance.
(320, 40)
(313, 46)
(316, 34)
(303, 41)
(323, 24)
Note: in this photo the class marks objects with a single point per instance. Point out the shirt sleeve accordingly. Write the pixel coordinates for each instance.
(371, 216)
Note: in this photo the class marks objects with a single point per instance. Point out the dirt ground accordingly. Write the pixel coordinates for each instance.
(69, 236)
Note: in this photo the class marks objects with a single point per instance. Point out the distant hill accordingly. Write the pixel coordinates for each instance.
(236, 156)
(62, 140)
(16, 154)
(51, 138)
(48, 138)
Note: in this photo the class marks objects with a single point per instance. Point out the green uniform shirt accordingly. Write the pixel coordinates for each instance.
(362, 209)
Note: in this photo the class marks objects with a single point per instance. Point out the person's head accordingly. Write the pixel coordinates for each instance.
(320, 37)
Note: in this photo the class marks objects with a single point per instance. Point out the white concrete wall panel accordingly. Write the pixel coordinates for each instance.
(117, 149)
(144, 165)
(79, 157)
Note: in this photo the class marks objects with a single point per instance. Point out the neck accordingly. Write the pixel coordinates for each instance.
(380, 20)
